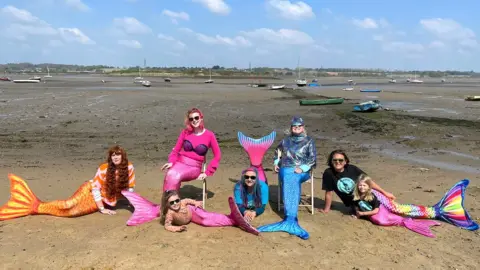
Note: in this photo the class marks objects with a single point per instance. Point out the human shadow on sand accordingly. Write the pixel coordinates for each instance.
(193, 192)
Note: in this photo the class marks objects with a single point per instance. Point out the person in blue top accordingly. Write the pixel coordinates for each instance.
(251, 194)
(296, 157)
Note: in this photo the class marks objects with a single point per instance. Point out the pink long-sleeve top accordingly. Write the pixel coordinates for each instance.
(195, 146)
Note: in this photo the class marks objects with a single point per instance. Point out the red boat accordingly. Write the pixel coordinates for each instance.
(5, 79)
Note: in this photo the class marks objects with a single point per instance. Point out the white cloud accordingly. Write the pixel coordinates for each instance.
(436, 44)
(292, 11)
(367, 23)
(20, 15)
(450, 30)
(405, 47)
(130, 25)
(134, 44)
(237, 41)
(75, 35)
(215, 6)
(175, 16)
(282, 36)
(176, 44)
(77, 4)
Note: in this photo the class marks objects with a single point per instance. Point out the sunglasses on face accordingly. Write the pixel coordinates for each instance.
(339, 160)
(174, 202)
(297, 126)
(194, 118)
(253, 177)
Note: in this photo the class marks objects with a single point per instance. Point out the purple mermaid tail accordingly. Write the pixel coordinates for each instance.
(386, 218)
(256, 149)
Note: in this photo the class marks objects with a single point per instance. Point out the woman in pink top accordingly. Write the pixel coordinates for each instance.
(187, 157)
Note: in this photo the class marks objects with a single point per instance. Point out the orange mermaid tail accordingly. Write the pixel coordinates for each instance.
(23, 202)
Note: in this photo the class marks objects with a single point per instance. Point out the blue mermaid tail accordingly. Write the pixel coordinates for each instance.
(291, 186)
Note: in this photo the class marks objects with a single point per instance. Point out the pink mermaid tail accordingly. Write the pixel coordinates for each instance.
(256, 149)
(211, 219)
(450, 208)
(183, 170)
(386, 218)
(146, 211)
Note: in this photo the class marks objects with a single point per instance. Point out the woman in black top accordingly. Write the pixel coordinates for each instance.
(341, 178)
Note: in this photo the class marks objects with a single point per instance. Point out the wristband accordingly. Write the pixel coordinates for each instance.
(101, 208)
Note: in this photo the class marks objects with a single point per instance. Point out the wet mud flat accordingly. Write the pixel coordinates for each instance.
(55, 135)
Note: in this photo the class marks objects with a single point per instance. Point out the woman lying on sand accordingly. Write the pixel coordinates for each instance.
(251, 194)
(187, 157)
(340, 178)
(112, 177)
(177, 213)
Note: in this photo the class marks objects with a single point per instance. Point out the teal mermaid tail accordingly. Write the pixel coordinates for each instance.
(449, 209)
(256, 149)
(291, 186)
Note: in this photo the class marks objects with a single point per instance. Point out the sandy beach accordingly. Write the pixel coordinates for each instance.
(55, 134)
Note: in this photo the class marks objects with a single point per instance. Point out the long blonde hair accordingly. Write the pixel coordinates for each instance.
(368, 196)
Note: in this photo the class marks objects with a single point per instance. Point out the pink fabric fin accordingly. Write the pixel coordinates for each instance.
(256, 149)
(240, 221)
(420, 226)
(145, 210)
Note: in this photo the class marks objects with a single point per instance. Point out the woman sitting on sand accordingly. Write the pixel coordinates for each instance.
(187, 157)
(112, 177)
(339, 177)
(177, 213)
(296, 157)
(251, 194)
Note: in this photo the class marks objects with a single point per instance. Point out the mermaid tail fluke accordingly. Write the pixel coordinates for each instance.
(239, 220)
(289, 225)
(256, 149)
(450, 208)
(420, 226)
(22, 200)
(145, 211)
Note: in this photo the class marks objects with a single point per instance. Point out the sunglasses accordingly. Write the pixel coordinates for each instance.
(193, 118)
(297, 126)
(253, 177)
(338, 160)
(174, 202)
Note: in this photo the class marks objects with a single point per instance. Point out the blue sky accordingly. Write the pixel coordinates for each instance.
(392, 34)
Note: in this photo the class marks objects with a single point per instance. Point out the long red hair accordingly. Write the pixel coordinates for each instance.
(188, 125)
(115, 187)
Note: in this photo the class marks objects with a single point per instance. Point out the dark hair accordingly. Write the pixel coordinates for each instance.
(164, 206)
(333, 153)
(257, 189)
(114, 188)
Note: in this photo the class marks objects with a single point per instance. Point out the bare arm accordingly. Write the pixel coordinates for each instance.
(170, 227)
(368, 213)
(328, 201)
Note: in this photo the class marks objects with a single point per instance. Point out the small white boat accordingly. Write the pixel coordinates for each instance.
(35, 78)
(301, 83)
(146, 83)
(48, 75)
(416, 81)
(472, 98)
(26, 81)
(350, 82)
(167, 80)
(392, 81)
(276, 87)
(209, 81)
(348, 89)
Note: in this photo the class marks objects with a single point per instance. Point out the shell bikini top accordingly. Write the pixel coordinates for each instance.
(200, 149)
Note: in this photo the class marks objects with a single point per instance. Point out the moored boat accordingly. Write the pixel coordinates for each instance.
(371, 90)
(276, 87)
(472, 98)
(5, 79)
(328, 101)
(146, 83)
(369, 106)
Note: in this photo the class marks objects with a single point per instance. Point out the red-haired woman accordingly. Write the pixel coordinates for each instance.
(112, 177)
(187, 157)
